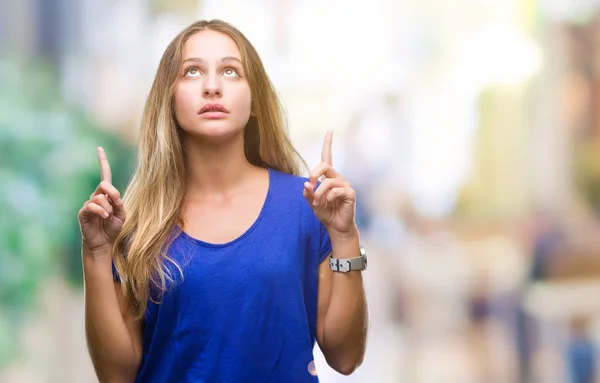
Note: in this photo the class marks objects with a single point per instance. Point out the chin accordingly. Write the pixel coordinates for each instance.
(214, 131)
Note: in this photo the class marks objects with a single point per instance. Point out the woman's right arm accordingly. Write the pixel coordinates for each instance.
(113, 336)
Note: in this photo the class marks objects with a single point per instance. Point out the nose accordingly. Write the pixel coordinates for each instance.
(212, 87)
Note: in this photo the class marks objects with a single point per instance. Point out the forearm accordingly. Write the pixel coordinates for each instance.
(346, 320)
(110, 343)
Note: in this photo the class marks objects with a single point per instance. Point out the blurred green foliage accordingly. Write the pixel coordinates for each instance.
(48, 168)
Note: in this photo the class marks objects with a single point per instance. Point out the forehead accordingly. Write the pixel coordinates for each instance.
(210, 45)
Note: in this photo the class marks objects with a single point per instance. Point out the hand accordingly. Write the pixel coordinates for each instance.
(334, 201)
(102, 216)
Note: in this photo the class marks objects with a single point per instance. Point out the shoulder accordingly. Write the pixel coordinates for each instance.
(287, 180)
(287, 189)
(287, 184)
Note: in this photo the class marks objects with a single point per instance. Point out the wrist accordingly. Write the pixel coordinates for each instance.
(346, 245)
(350, 236)
(101, 253)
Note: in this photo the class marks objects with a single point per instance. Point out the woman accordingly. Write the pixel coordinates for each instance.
(220, 270)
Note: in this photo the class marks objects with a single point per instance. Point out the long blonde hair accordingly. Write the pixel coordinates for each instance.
(155, 195)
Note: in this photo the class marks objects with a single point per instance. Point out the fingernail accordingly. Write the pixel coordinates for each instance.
(315, 203)
(105, 215)
(119, 202)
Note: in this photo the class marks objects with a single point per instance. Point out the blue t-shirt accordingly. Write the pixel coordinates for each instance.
(246, 310)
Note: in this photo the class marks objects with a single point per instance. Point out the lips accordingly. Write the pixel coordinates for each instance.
(207, 108)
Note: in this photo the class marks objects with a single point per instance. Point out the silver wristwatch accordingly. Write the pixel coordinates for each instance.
(349, 264)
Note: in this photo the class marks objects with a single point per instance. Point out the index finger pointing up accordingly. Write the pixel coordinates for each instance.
(326, 152)
(104, 166)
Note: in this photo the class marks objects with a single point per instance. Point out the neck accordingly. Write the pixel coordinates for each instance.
(215, 168)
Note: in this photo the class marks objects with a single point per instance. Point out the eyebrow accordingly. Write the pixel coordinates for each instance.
(224, 59)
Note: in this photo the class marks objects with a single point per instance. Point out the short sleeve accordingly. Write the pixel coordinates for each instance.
(325, 244)
(115, 273)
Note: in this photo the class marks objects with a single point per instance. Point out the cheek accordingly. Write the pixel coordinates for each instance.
(243, 101)
(184, 102)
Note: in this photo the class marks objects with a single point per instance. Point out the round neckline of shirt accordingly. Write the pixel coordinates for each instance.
(244, 234)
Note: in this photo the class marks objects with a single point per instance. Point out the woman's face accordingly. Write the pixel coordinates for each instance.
(212, 97)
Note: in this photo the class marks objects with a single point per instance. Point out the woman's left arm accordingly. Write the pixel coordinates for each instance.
(342, 316)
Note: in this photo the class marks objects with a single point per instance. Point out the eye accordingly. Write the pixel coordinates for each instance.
(231, 72)
(192, 72)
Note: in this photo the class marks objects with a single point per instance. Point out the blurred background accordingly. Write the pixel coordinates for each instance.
(469, 128)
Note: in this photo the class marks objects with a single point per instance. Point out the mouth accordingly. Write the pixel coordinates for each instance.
(213, 108)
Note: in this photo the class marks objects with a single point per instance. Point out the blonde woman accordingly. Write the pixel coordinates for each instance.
(220, 263)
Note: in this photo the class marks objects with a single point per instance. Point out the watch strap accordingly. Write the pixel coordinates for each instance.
(346, 265)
